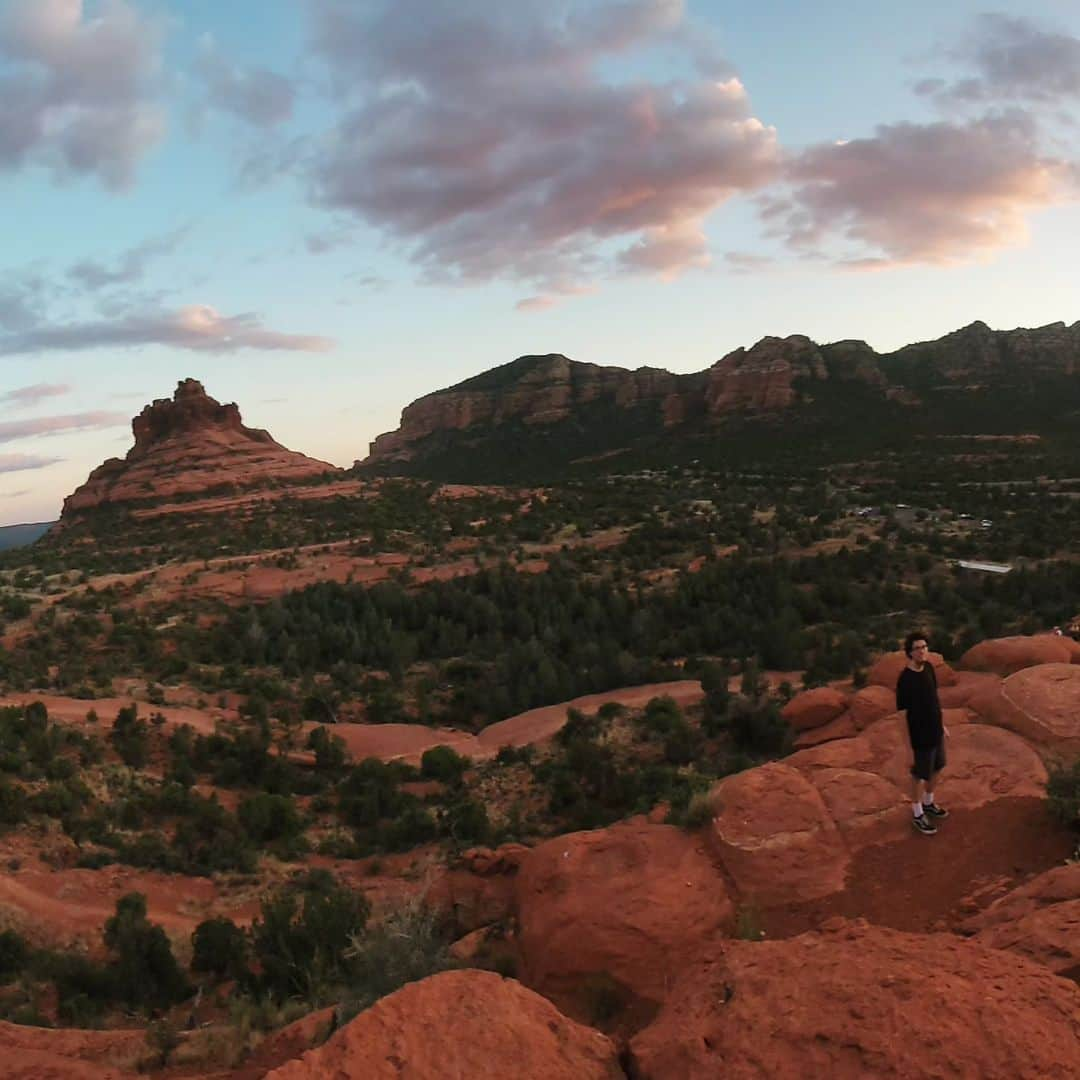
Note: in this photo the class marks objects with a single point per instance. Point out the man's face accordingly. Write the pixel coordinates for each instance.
(919, 651)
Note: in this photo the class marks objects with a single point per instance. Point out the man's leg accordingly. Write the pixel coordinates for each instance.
(930, 804)
(919, 773)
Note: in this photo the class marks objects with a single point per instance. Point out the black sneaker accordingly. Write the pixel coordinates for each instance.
(933, 810)
(924, 825)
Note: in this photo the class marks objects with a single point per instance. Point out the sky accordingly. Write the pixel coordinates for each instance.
(324, 209)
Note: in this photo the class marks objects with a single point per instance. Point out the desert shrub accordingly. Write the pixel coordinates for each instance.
(130, 737)
(443, 763)
(14, 955)
(144, 971)
(301, 937)
(661, 715)
(465, 822)
(12, 804)
(757, 727)
(269, 818)
(408, 944)
(219, 947)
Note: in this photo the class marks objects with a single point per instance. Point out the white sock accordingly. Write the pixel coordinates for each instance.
(928, 799)
(916, 809)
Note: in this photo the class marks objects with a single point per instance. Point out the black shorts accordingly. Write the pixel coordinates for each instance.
(929, 761)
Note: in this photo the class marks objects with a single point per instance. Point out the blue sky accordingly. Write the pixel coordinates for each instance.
(324, 209)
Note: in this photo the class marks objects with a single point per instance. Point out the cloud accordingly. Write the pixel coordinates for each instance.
(31, 395)
(130, 265)
(21, 299)
(919, 193)
(493, 142)
(77, 88)
(1013, 59)
(10, 463)
(198, 327)
(256, 95)
(57, 425)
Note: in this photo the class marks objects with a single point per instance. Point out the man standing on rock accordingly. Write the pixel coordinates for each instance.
(917, 695)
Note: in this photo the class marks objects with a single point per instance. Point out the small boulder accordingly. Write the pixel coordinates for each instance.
(775, 836)
(872, 703)
(813, 708)
(460, 1025)
(630, 903)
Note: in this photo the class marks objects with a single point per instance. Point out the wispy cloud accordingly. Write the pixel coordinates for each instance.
(1011, 58)
(256, 95)
(77, 88)
(493, 142)
(130, 265)
(198, 327)
(31, 395)
(10, 463)
(12, 430)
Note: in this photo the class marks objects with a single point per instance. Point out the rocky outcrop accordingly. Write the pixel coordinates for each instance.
(536, 390)
(630, 904)
(1039, 920)
(813, 708)
(840, 1003)
(186, 445)
(1040, 703)
(774, 375)
(1005, 656)
(886, 670)
(471, 1024)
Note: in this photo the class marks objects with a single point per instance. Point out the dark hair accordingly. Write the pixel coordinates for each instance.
(915, 635)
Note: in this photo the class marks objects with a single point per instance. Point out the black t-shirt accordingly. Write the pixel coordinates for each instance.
(916, 694)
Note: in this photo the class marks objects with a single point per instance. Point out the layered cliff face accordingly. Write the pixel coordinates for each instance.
(774, 375)
(536, 391)
(187, 445)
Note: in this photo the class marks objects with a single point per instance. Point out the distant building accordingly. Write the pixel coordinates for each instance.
(984, 567)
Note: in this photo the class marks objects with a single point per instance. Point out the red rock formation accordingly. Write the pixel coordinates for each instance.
(633, 902)
(190, 444)
(470, 1025)
(535, 390)
(813, 708)
(1039, 920)
(858, 1001)
(762, 379)
(886, 670)
(1040, 703)
(1004, 656)
(775, 836)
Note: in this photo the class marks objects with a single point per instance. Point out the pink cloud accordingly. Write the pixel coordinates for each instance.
(31, 395)
(78, 92)
(197, 327)
(488, 141)
(10, 463)
(920, 193)
(55, 425)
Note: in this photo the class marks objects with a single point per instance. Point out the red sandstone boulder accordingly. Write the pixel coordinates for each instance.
(33, 1053)
(1007, 655)
(1042, 704)
(984, 764)
(480, 889)
(886, 670)
(632, 903)
(872, 703)
(860, 1001)
(460, 1025)
(971, 687)
(813, 708)
(775, 836)
(843, 727)
(1039, 920)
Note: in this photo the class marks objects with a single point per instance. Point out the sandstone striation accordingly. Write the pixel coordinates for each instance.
(187, 445)
(460, 1025)
(840, 1003)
